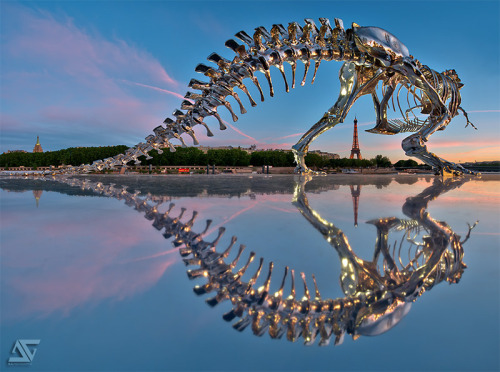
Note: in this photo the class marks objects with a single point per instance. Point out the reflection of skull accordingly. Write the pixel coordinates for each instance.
(380, 44)
(378, 322)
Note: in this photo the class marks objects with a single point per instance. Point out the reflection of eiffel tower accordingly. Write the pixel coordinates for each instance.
(355, 144)
(37, 194)
(355, 201)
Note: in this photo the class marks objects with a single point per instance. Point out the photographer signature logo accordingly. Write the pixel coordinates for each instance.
(25, 355)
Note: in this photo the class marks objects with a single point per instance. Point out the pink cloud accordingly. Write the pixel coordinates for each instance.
(62, 80)
(79, 268)
(483, 111)
(156, 88)
(289, 136)
(60, 43)
(472, 143)
(239, 131)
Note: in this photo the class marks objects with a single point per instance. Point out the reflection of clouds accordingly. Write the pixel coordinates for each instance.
(81, 260)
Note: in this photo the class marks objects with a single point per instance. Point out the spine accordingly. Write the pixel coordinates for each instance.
(259, 52)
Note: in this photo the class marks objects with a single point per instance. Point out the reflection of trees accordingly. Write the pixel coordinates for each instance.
(201, 185)
(406, 180)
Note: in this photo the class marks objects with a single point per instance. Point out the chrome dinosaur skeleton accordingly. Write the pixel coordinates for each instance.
(371, 56)
(377, 295)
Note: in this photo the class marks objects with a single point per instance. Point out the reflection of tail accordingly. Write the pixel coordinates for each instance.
(375, 300)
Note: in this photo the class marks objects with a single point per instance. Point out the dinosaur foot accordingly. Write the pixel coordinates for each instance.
(301, 167)
(304, 171)
(456, 170)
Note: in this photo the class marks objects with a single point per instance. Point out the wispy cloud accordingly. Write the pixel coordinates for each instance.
(289, 136)
(60, 78)
(175, 94)
(240, 132)
(483, 111)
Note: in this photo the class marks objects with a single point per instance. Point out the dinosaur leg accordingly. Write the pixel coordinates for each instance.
(348, 94)
(414, 145)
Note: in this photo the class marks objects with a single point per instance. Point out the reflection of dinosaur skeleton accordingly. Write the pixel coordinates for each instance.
(375, 300)
(383, 297)
(370, 55)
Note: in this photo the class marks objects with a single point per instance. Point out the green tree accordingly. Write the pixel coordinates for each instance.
(382, 161)
(314, 161)
(409, 163)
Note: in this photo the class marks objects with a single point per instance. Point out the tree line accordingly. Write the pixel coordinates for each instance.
(191, 156)
(69, 156)
(237, 157)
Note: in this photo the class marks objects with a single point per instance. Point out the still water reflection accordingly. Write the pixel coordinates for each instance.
(96, 284)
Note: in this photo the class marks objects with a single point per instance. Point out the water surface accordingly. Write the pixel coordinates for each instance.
(84, 270)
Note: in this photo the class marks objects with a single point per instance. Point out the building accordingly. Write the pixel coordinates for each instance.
(38, 147)
(253, 148)
(325, 154)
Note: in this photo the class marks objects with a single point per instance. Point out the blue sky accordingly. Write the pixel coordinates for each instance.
(97, 73)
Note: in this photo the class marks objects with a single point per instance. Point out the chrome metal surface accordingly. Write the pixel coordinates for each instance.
(371, 56)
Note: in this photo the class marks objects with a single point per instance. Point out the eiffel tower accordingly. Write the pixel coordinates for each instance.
(355, 144)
